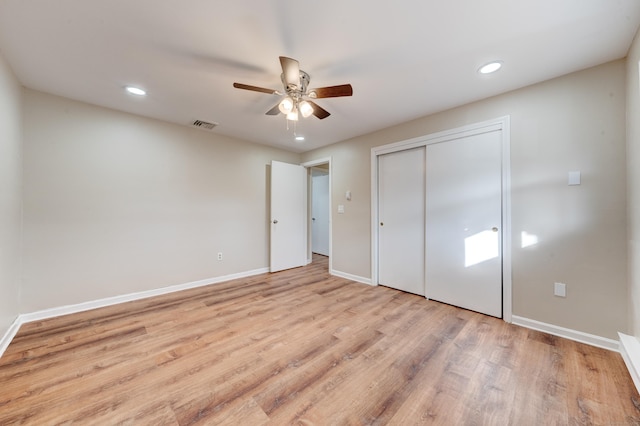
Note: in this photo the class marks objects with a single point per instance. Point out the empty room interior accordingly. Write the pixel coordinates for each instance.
(289, 212)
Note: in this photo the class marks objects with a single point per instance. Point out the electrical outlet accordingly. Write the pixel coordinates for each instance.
(560, 289)
(220, 256)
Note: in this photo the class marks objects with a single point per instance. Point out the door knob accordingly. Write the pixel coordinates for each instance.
(381, 223)
(275, 221)
(494, 229)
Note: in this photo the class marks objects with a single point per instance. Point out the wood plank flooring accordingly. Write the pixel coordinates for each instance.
(303, 347)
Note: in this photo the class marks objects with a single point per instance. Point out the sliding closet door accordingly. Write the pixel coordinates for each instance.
(464, 222)
(401, 213)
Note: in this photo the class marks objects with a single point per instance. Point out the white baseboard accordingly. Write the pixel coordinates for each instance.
(9, 335)
(567, 333)
(109, 301)
(351, 277)
(630, 351)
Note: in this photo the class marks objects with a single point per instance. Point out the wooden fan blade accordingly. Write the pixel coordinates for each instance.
(275, 110)
(318, 111)
(291, 71)
(331, 91)
(254, 88)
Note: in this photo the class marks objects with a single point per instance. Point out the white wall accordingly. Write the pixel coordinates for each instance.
(633, 178)
(575, 122)
(10, 195)
(116, 203)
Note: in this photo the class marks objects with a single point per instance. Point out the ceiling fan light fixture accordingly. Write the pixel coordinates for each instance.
(305, 109)
(286, 105)
(491, 67)
(293, 115)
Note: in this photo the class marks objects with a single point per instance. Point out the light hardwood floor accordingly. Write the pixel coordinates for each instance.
(303, 347)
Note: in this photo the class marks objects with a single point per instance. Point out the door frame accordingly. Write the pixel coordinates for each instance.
(308, 165)
(500, 123)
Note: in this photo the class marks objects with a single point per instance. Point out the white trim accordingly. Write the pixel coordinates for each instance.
(10, 334)
(446, 135)
(567, 333)
(630, 351)
(109, 301)
(507, 302)
(374, 217)
(351, 277)
(500, 123)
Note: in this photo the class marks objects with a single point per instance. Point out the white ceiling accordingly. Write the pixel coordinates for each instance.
(405, 59)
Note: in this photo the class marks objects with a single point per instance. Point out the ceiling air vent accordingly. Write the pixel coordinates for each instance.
(204, 124)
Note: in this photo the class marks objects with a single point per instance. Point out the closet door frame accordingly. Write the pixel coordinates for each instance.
(502, 124)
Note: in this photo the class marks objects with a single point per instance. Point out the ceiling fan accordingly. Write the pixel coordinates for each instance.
(297, 96)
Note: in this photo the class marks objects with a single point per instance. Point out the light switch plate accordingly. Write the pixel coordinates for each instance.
(560, 289)
(574, 178)
(340, 208)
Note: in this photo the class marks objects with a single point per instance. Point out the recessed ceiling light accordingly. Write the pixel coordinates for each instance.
(490, 67)
(299, 138)
(135, 91)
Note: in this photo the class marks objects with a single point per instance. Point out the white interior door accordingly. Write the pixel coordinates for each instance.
(401, 214)
(288, 216)
(320, 213)
(464, 222)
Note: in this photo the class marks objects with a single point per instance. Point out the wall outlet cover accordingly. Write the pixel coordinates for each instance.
(560, 289)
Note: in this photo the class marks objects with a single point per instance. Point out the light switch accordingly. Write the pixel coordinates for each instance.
(347, 195)
(574, 178)
(340, 208)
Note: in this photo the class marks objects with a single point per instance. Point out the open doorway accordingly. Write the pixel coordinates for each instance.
(319, 212)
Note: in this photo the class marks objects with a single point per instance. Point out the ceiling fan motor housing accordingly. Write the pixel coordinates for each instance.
(300, 90)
